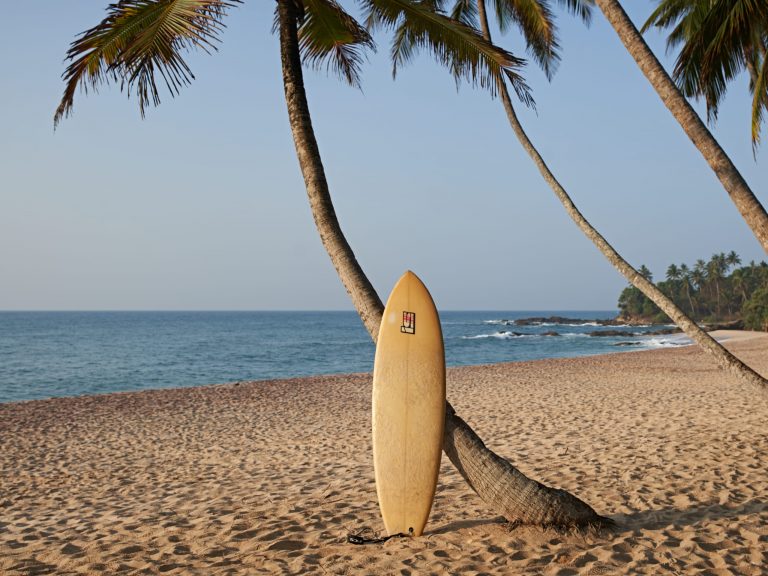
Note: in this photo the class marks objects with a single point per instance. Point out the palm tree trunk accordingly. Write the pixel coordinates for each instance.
(364, 297)
(690, 301)
(738, 189)
(724, 358)
(717, 287)
(509, 492)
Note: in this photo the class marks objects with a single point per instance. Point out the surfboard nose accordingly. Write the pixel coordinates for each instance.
(409, 276)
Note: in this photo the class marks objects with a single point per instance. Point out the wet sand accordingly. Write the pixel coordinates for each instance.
(270, 477)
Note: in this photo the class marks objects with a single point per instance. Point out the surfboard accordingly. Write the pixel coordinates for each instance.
(408, 407)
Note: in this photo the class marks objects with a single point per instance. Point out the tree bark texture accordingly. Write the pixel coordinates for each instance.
(748, 205)
(723, 357)
(507, 491)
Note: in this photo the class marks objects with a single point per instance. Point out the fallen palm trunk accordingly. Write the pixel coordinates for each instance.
(507, 490)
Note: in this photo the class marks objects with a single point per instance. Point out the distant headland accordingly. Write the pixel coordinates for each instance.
(717, 294)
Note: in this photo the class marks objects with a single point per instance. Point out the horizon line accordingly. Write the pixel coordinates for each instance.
(185, 310)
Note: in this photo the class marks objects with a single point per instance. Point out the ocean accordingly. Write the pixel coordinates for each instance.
(50, 354)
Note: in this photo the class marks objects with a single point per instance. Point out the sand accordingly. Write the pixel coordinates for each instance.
(270, 477)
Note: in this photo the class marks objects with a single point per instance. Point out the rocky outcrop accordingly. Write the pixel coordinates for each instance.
(603, 333)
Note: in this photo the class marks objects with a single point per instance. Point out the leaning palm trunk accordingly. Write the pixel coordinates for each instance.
(509, 492)
(359, 288)
(724, 358)
(733, 182)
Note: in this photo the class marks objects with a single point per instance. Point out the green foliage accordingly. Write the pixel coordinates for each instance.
(421, 25)
(141, 44)
(718, 39)
(138, 39)
(330, 37)
(710, 291)
(534, 19)
(755, 310)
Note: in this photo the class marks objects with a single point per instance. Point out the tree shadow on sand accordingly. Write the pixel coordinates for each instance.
(654, 519)
(457, 525)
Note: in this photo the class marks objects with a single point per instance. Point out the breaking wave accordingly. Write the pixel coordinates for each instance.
(668, 342)
(505, 335)
(499, 335)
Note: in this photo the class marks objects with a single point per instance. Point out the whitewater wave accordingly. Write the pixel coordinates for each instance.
(593, 324)
(505, 335)
(504, 322)
(669, 342)
(499, 335)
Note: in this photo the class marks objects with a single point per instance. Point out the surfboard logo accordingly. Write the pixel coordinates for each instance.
(409, 323)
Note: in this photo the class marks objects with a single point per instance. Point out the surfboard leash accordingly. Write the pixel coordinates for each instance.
(359, 539)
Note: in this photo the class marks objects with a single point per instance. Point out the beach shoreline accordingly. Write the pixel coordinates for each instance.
(270, 476)
(719, 335)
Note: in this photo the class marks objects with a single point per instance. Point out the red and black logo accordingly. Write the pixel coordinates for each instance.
(409, 323)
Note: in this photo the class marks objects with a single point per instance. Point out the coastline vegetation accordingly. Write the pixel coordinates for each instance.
(717, 291)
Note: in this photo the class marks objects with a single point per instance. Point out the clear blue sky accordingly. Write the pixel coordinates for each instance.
(202, 206)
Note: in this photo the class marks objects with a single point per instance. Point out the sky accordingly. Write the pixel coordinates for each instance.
(201, 206)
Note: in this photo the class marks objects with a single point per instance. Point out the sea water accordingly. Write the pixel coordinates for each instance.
(48, 354)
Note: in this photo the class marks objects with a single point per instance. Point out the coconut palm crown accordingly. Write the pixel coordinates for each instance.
(534, 19)
(718, 39)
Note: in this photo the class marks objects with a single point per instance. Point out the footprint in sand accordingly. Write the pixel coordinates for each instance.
(72, 550)
(288, 545)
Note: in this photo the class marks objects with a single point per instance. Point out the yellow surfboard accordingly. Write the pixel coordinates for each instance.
(408, 407)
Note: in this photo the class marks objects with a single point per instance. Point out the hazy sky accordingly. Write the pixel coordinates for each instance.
(202, 206)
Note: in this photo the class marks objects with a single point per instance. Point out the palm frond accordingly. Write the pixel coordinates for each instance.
(580, 8)
(332, 38)
(534, 18)
(137, 40)
(465, 11)
(405, 43)
(759, 102)
(718, 40)
(458, 47)
(667, 13)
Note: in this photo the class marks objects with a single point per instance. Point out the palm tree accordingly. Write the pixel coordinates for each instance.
(685, 276)
(673, 272)
(740, 282)
(732, 259)
(718, 40)
(645, 272)
(737, 188)
(699, 273)
(404, 47)
(715, 273)
(142, 37)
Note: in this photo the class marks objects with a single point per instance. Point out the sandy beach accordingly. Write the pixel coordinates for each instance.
(270, 477)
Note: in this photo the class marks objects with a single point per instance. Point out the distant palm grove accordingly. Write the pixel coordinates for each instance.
(714, 291)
